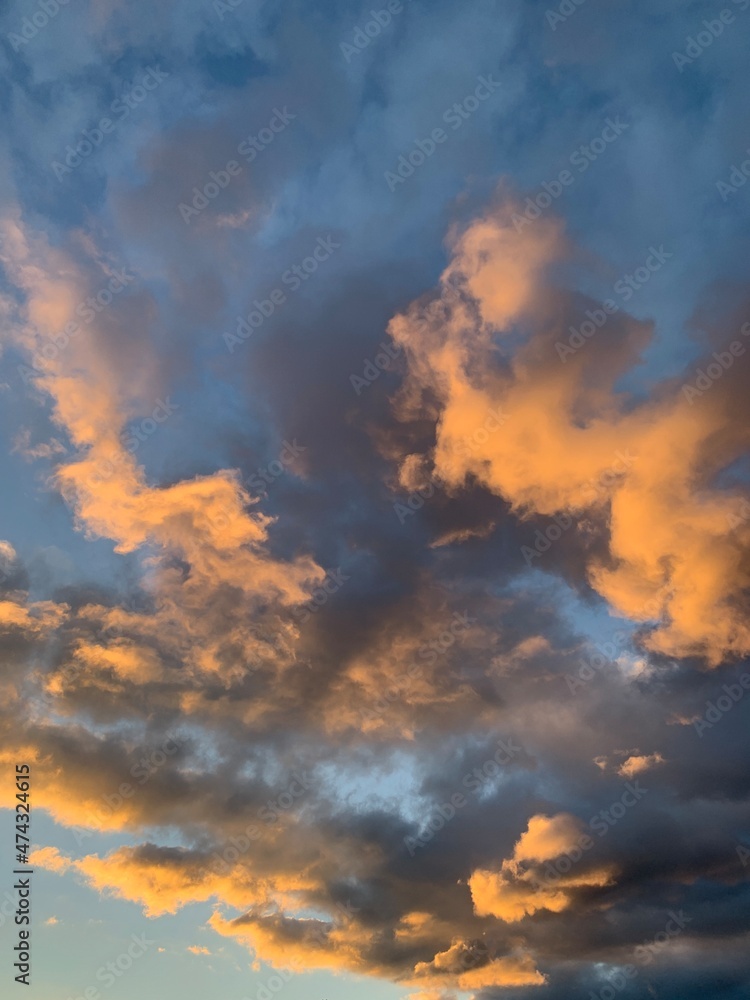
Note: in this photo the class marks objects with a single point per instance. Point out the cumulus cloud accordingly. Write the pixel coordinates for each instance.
(644, 471)
(521, 887)
(206, 523)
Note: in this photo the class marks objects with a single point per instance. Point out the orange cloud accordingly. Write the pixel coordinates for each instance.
(641, 471)
(230, 584)
(50, 859)
(638, 763)
(31, 619)
(521, 887)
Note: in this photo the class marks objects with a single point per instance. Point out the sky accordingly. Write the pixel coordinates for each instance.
(375, 502)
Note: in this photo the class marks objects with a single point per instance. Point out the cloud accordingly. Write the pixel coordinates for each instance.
(575, 445)
(444, 971)
(637, 764)
(521, 886)
(189, 618)
(51, 859)
(207, 522)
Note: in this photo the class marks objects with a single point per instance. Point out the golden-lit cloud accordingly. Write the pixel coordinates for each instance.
(572, 444)
(638, 763)
(50, 859)
(229, 603)
(448, 971)
(35, 618)
(521, 886)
